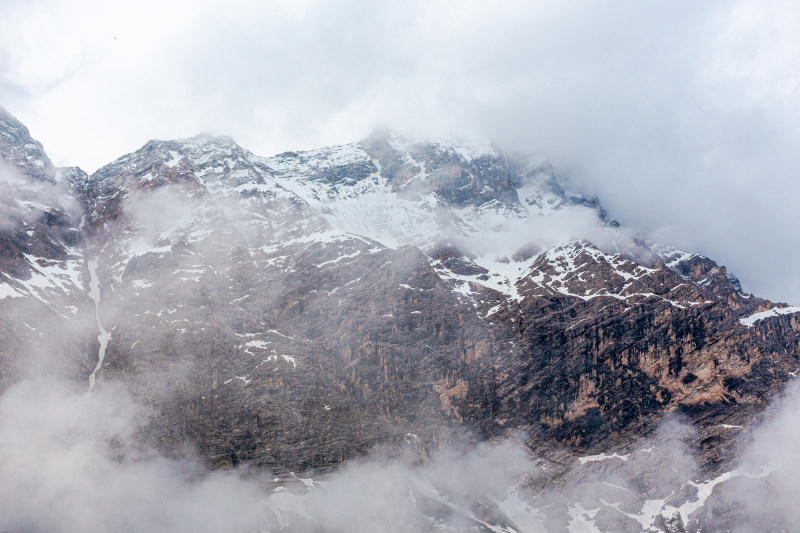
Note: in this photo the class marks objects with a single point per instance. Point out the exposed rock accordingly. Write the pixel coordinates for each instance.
(292, 312)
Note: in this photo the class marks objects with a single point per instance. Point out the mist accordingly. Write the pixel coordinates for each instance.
(22, 199)
(73, 461)
(682, 117)
(766, 494)
(70, 461)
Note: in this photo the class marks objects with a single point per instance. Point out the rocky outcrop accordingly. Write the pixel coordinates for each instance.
(291, 312)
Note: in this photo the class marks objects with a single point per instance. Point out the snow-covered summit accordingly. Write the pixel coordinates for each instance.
(466, 148)
(390, 189)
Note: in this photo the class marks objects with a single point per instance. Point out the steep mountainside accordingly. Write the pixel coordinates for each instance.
(290, 312)
(44, 307)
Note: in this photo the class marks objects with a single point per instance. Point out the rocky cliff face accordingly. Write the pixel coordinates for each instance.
(43, 300)
(290, 312)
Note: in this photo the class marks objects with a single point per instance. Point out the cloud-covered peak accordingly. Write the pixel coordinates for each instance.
(465, 147)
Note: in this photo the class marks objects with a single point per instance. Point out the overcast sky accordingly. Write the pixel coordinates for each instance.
(683, 116)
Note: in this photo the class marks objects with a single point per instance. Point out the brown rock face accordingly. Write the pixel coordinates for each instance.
(292, 312)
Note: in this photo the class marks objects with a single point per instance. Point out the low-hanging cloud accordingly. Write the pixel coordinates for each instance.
(25, 201)
(71, 461)
(765, 492)
(682, 117)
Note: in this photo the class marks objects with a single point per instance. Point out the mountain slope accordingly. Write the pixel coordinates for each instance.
(291, 312)
(44, 307)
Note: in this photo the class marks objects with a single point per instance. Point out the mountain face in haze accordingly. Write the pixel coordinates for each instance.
(291, 312)
(42, 263)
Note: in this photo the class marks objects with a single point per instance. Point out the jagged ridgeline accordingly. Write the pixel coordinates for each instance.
(288, 313)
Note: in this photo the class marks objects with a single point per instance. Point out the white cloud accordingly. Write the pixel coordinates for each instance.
(682, 116)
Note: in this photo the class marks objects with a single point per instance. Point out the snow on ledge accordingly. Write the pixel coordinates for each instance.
(755, 317)
(601, 457)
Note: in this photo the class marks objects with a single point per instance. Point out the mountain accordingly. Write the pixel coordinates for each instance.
(42, 263)
(286, 314)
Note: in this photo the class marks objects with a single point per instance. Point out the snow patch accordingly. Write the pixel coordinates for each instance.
(104, 336)
(602, 457)
(751, 320)
(7, 291)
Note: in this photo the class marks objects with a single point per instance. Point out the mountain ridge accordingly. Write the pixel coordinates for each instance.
(294, 311)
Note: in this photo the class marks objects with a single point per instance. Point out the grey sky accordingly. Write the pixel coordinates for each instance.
(682, 116)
